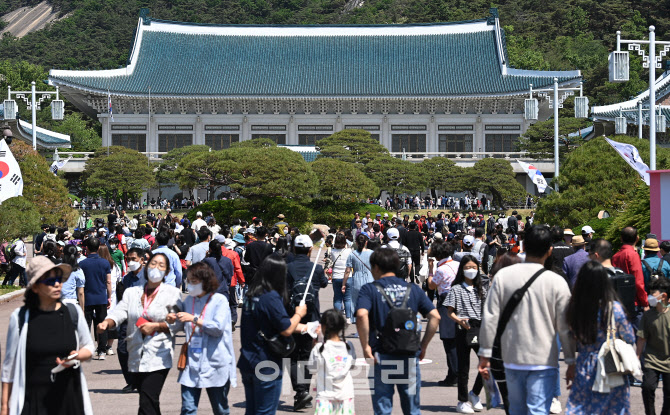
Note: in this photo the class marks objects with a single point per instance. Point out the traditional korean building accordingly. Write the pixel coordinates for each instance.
(427, 89)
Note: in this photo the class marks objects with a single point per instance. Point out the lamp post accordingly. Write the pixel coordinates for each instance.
(619, 72)
(581, 111)
(57, 106)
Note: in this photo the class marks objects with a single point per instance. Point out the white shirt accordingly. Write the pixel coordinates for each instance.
(332, 368)
(20, 250)
(339, 257)
(198, 223)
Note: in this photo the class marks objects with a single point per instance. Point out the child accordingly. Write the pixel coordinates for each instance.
(331, 361)
(653, 340)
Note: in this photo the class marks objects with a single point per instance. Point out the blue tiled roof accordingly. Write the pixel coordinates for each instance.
(43, 137)
(173, 63)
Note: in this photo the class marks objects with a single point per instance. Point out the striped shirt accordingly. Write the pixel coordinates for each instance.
(465, 301)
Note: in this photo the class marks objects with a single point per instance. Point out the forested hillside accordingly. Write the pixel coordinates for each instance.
(549, 34)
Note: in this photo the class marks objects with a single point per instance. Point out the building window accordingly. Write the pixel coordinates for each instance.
(135, 141)
(221, 141)
(455, 143)
(455, 127)
(411, 143)
(310, 139)
(362, 127)
(501, 143)
(277, 138)
(167, 142)
(508, 127)
(375, 137)
(129, 127)
(268, 128)
(408, 127)
(176, 127)
(222, 127)
(315, 128)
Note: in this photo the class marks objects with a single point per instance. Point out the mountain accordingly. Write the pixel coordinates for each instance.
(550, 34)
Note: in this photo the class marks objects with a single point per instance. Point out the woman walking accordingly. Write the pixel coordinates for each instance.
(340, 254)
(150, 342)
(464, 306)
(593, 299)
(43, 334)
(264, 319)
(358, 262)
(211, 360)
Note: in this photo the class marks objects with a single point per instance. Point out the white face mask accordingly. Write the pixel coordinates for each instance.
(134, 265)
(194, 290)
(652, 300)
(470, 274)
(155, 275)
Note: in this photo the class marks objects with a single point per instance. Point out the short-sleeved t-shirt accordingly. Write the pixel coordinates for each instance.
(369, 298)
(95, 271)
(69, 289)
(465, 301)
(197, 252)
(655, 329)
(267, 314)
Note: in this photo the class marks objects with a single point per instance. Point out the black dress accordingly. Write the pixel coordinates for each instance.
(50, 335)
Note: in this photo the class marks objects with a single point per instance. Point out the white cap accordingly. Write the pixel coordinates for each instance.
(198, 215)
(437, 235)
(469, 240)
(587, 229)
(393, 234)
(303, 241)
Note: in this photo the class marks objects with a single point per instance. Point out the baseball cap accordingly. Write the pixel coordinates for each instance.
(386, 215)
(379, 215)
(587, 229)
(437, 235)
(469, 240)
(303, 241)
(393, 234)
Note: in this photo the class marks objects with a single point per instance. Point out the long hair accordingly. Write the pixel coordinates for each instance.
(70, 257)
(270, 276)
(460, 275)
(103, 252)
(215, 249)
(332, 323)
(591, 296)
(281, 247)
(361, 242)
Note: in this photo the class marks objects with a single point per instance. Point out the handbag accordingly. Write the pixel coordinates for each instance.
(278, 345)
(183, 355)
(619, 357)
(472, 335)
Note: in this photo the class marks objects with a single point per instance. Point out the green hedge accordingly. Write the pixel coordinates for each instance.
(303, 215)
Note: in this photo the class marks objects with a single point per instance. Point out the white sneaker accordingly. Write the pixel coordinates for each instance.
(101, 356)
(464, 408)
(348, 322)
(556, 407)
(475, 402)
(110, 352)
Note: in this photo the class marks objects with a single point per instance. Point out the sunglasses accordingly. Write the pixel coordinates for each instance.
(52, 281)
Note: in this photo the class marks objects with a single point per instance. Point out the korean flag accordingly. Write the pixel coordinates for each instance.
(11, 180)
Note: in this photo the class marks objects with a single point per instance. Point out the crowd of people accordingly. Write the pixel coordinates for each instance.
(515, 292)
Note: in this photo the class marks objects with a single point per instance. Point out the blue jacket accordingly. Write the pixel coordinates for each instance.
(653, 264)
(573, 263)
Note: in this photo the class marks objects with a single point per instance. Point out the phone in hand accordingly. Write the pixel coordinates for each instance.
(70, 357)
(173, 309)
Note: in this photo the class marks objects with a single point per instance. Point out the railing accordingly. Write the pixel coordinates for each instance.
(79, 155)
(465, 155)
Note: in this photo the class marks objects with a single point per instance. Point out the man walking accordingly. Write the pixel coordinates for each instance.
(629, 262)
(393, 367)
(528, 343)
(97, 291)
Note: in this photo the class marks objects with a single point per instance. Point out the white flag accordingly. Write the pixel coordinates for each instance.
(57, 165)
(630, 154)
(11, 180)
(535, 175)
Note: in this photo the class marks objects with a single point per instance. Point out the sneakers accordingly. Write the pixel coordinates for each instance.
(476, 403)
(556, 407)
(301, 401)
(448, 382)
(348, 322)
(464, 408)
(110, 352)
(101, 356)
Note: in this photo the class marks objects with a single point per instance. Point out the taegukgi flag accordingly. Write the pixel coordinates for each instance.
(57, 165)
(11, 180)
(630, 154)
(535, 175)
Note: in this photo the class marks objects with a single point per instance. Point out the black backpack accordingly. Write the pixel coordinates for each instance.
(403, 271)
(657, 273)
(624, 285)
(298, 291)
(399, 336)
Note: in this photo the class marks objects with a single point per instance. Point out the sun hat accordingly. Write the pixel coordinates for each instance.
(578, 241)
(568, 232)
(239, 238)
(40, 265)
(281, 216)
(651, 244)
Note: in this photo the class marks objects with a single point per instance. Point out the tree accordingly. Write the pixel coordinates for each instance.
(395, 175)
(123, 173)
(538, 140)
(341, 180)
(209, 169)
(41, 188)
(595, 177)
(494, 177)
(352, 146)
(442, 173)
(82, 137)
(254, 143)
(18, 217)
(167, 169)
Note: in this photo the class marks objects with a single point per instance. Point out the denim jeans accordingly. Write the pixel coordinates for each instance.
(218, 397)
(262, 396)
(530, 391)
(339, 298)
(403, 373)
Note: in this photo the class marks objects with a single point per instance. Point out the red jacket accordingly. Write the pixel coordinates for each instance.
(235, 259)
(629, 261)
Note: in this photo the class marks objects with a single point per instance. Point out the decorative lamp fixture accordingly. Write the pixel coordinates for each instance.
(531, 107)
(660, 121)
(581, 107)
(10, 109)
(620, 125)
(57, 109)
(619, 67)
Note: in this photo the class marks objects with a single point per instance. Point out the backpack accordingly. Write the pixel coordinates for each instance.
(298, 291)
(657, 273)
(624, 285)
(10, 250)
(71, 308)
(399, 336)
(403, 271)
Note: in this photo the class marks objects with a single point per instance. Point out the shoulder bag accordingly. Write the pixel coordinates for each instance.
(497, 365)
(620, 357)
(183, 352)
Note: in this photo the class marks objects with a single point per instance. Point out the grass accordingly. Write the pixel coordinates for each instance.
(6, 289)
